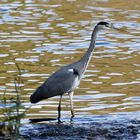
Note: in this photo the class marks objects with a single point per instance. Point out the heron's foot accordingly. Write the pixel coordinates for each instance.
(59, 121)
(71, 119)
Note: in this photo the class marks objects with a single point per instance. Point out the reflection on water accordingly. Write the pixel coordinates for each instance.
(42, 36)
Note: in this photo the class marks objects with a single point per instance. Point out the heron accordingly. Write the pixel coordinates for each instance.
(66, 79)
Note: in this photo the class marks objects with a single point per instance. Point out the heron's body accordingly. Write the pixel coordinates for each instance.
(66, 79)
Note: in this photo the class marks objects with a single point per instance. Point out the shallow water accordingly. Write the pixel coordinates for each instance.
(41, 36)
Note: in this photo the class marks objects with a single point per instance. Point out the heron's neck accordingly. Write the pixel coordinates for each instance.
(87, 56)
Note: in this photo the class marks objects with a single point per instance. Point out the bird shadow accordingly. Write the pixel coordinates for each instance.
(36, 120)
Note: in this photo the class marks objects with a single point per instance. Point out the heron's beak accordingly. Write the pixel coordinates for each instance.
(111, 26)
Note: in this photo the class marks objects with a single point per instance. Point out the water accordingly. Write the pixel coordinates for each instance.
(41, 36)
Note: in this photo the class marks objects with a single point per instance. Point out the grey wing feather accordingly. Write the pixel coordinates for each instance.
(60, 82)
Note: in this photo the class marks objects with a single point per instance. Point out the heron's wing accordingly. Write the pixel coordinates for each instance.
(62, 81)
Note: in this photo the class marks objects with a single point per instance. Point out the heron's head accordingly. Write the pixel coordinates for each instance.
(104, 25)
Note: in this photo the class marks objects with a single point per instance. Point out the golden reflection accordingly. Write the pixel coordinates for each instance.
(42, 36)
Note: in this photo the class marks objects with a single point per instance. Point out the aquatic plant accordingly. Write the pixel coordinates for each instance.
(13, 110)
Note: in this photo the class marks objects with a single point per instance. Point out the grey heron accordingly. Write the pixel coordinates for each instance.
(67, 78)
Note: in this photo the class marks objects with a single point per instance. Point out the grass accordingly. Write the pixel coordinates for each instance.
(13, 111)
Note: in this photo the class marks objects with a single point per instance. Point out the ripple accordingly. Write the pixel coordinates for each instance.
(133, 98)
(2, 77)
(27, 59)
(9, 63)
(101, 107)
(126, 83)
(4, 55)
(11, 71)
(114, 74)
(102, 9)
(30, 32)
(99, 96)
(34, 75)
(2, 87)
(104, 77)
(97, 83)
(28, 89)
(39, 33)
(13, 84)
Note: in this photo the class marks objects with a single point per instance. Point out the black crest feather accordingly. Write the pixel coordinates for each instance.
(103, 23)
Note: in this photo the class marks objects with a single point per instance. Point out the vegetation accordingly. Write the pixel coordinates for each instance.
(13, 111)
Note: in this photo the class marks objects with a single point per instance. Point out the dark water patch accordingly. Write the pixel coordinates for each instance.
(43, 35)
(105, 127)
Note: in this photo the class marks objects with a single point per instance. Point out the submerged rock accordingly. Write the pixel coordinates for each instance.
(111, 127)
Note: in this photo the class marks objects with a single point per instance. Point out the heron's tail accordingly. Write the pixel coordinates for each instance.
(32, 99)
(36, 96)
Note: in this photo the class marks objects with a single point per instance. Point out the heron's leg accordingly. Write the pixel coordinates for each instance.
(71, 103)
(59, 109)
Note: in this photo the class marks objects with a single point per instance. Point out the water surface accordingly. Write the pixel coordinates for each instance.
(41, 36)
